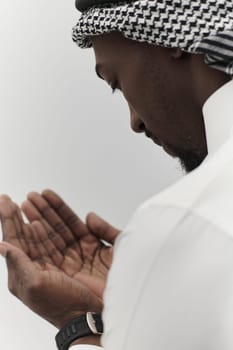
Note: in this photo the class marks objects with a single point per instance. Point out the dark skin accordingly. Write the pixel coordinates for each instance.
(57, 264)
(165, 90)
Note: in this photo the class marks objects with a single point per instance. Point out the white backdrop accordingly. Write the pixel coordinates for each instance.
(61, 128)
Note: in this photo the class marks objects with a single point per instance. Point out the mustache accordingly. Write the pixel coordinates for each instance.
(148, 133)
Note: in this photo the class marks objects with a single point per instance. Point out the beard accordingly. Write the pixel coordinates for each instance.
(190, 156)
(190, 160)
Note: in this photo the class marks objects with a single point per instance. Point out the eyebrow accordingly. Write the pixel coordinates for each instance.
(97, 70)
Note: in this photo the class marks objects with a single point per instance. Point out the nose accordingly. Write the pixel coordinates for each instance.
(136, 123)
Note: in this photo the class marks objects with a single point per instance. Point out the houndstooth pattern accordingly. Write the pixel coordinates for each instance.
(196, 26)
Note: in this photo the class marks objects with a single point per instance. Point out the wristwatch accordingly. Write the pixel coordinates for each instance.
(85, 325)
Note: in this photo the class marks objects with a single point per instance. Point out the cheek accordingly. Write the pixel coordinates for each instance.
(142, 103)
(150, 110)
(137, 93)
(160, 117)
(150, 98)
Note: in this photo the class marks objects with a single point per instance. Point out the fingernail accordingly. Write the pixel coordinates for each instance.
(3, 250)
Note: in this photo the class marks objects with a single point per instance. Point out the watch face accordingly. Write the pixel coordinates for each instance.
(94, 322)
(83, 326)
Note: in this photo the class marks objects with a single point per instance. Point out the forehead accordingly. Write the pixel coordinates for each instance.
(114, 50)
(104, 41)
(111, 43)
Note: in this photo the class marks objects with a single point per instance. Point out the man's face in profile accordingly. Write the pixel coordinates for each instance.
(156, 84)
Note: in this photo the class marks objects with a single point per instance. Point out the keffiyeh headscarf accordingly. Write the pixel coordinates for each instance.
(194, 26)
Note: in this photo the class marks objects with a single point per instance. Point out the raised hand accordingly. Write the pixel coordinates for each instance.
(58, 270)
(83, 255)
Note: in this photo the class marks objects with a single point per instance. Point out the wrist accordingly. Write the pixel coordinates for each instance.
(85, 329)
(90, 340)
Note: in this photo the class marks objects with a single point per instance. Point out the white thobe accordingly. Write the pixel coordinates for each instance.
(171, 283)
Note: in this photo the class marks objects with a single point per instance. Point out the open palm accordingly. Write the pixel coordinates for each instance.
(56, 266)
(67, 243)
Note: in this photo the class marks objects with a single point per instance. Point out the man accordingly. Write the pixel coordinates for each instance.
(171, 281)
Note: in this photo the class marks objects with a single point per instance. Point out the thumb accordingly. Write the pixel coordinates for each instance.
(3, 249)
(101, 228)
(19, 266)
(14, 256)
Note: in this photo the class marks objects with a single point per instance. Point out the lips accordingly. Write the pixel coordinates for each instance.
(153, 138)
(156, 141)
(166, 148)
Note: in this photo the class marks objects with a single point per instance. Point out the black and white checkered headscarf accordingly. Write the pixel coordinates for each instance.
(195, 26)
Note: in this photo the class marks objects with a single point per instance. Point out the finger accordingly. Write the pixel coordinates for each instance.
(33, 214)
(75, 224)
(106, 256)
(20, 227)
(31, 242)
(43, 256)
(12, 222)
(5, 197)
(49, 248)
(30, 211)
(101, 228)
(43, 207)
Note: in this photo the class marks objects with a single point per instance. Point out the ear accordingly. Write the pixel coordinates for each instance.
(177, 53)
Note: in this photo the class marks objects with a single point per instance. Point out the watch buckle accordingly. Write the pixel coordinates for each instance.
(91, 323)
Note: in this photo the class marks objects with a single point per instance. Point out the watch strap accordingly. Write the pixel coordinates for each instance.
(85, 325)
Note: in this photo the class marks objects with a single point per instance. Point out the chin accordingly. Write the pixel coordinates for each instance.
(190, 160)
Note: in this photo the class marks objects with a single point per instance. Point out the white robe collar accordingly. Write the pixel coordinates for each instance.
(218, 117)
